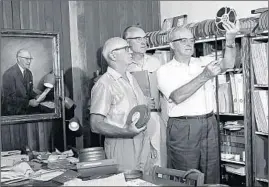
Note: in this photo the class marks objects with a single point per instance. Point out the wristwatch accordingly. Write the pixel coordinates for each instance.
(231, 45)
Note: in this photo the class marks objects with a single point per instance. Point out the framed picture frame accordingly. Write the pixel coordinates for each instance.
(31, 86)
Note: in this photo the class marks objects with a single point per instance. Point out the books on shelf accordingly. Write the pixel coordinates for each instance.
(259, 54)
(261, 109)
(230, 93)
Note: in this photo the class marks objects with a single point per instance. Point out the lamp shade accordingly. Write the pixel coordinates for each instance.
(75, 126)
(49, 80)
(69, 103)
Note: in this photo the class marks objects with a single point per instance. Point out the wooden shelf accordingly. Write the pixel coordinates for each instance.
(262, 180)
(230, 114)
(260, 38)
(233, 161)
(212, 38)
(200, 40)
(237, 173)
(261, 133)
(261, 85)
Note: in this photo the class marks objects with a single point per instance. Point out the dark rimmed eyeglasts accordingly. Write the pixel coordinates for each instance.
(26, 58)
(127, 49)
(138, 38)
(185, 40)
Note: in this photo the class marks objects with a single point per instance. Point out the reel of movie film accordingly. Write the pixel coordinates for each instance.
(225, 14)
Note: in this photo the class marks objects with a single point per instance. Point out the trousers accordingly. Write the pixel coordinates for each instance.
(192, 143)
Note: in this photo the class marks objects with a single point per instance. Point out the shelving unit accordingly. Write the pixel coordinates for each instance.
(233, 161)
(259, 139)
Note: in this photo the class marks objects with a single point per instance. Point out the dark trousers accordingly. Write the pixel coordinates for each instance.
(193, 144)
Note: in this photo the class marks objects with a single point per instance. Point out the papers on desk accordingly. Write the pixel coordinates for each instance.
(139, 182)
(15, 173)
(8, 153)
(115, 180)
(46, 175)
(13, 159)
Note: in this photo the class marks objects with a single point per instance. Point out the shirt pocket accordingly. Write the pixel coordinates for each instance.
(117, 116)
(117, 98)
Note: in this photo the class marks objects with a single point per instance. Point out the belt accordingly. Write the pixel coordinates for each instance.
(196, 117)
(155, 110)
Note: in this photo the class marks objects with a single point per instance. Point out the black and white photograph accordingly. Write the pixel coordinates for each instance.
(29, 70)
(134, 93)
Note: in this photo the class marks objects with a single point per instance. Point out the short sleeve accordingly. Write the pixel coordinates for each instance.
(163, 82)
(101, 99)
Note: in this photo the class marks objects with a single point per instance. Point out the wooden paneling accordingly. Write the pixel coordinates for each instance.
(96, 21)
(91, 24)
(52, 16)
(249, 115)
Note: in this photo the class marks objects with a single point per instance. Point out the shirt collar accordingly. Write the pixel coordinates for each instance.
(145, 59)
(113, 73)
(22, 70)
(175, 62)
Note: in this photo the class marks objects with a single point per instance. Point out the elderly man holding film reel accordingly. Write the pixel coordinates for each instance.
(113, 98)
(187, 83)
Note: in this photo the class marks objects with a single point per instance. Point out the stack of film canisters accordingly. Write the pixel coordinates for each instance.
(91, 154)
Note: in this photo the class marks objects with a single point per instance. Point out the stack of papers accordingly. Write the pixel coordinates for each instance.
(115, 180)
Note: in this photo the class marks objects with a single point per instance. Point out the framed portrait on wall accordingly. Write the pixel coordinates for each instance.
(30, 76)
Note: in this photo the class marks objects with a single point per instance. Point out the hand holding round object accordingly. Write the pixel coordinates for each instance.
(225, 14)
(140, 111)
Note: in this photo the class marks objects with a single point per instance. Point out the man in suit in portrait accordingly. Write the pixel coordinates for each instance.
(18, 97)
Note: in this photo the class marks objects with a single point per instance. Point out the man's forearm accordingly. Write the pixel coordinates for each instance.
(185, 91)
(111, 131)
(229, 56)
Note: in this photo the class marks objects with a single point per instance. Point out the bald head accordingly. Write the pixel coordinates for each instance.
(23, 53)
(132, 32)
(180, 32)
(24, 58)
(111, 44)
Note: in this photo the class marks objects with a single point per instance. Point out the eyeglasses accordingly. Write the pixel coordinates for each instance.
(127, 49)
(26, 58)
(185, 40)
(140, 39)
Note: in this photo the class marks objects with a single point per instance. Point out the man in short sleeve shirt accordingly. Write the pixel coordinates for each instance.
(113, 96)
(187, 83)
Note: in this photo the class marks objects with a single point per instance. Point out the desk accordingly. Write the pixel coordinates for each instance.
(146, 178)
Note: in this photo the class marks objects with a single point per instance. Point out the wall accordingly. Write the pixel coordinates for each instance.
(52, 16)
(91, 24)
(201, 10)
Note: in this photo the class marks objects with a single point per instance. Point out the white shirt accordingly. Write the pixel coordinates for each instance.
(22, 70)
(114, 97)
(174, 74)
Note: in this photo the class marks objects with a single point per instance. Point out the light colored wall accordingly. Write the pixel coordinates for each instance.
(202, 10)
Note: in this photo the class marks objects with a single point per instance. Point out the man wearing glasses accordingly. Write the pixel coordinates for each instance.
(187, 84)
(18, 96)
(144, 68)
(113, 96)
